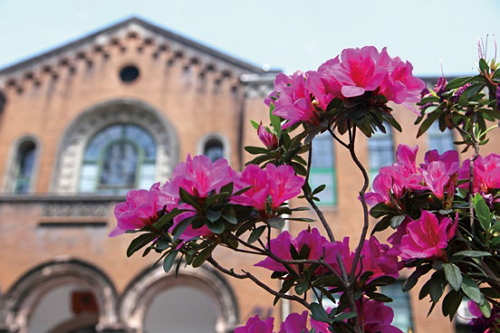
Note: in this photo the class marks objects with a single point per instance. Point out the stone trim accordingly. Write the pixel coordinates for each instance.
(141, 292)
(73, 144)
(20, 300)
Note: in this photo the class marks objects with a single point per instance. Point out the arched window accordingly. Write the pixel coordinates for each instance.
(442, 141)
(213, 149)
(118, 158)
(380, 150)
(323, 169)
(24, 166)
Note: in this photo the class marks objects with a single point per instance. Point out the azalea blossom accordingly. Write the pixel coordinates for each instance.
(140, 209)
(480, 323)
(280, 247)
(273, 185)
(268, 139)
(486, 173)
(199, 176)
(376, 317)
(294, 323)
(256, 325)
(427, 237)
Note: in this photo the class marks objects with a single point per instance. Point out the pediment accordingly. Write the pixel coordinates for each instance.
(147, 38)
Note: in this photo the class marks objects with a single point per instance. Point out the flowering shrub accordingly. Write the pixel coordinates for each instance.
(443, 213)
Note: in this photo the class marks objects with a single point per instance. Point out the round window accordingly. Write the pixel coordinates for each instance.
(129, 73)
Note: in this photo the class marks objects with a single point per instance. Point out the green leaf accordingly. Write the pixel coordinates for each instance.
(458, 82)
(203, 255)
(382, 281)
(470, 288)
(453, 275)
(301, 287)
(139, 242)
(254, 124)
(189, 199)
(413, 278)
(230, 216)
(168, 217)
(428, 122)
(482, 211)
(256, 150)
(471, 254)
(275, 121)
(344, 316)
(276, 222)
(318, 189)
(169, 260)
(485, 308)
(217, 227)
(213, 215)
(379, 297)
(256, 233)
(483, 65)
(381, 209)
(397, 220)
(318, 313)
(451, 303)
(179, 229)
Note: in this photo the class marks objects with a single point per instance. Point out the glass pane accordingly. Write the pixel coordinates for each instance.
(380, 148)
(102, 138)
(88, 178)
(400, 305)
(322, 168)
(143, 139)
(214, 150)
(25, 165)
(119, 165)
(441, 141)
(147, 177)
(317, 178)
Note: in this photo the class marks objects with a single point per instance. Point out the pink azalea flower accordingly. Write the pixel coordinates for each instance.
(272, 184)
(199, 176)
(294, 101)
(140, 209)
(295, 323)
(486, 173)
(368, 70)
(376, 317)
(427, 237)
(268, 139)
(482, 324)
(256, 325)
(280, 247)
(375, 257)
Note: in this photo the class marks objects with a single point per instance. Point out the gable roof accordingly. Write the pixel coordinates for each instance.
(146, 31)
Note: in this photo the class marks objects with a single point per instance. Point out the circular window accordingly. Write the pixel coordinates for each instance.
(129, 73)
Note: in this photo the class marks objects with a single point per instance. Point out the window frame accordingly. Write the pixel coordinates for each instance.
(329, 170)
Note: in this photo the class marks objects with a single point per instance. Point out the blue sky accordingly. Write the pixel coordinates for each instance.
(285, 34)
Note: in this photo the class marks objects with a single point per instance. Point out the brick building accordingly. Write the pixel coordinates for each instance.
(115, 110)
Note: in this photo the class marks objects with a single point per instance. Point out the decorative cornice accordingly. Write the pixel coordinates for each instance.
(153, 40)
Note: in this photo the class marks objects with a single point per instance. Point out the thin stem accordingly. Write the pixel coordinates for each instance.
(338, 139)
(362, 192)
(248, 275)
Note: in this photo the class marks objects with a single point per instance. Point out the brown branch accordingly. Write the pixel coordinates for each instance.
(248, 275)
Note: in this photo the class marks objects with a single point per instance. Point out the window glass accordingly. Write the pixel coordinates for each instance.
(323, 169)
(380, 150)
(400, 305)
(118, 158)
(25, 164)
(213, 149)
(442, 141)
